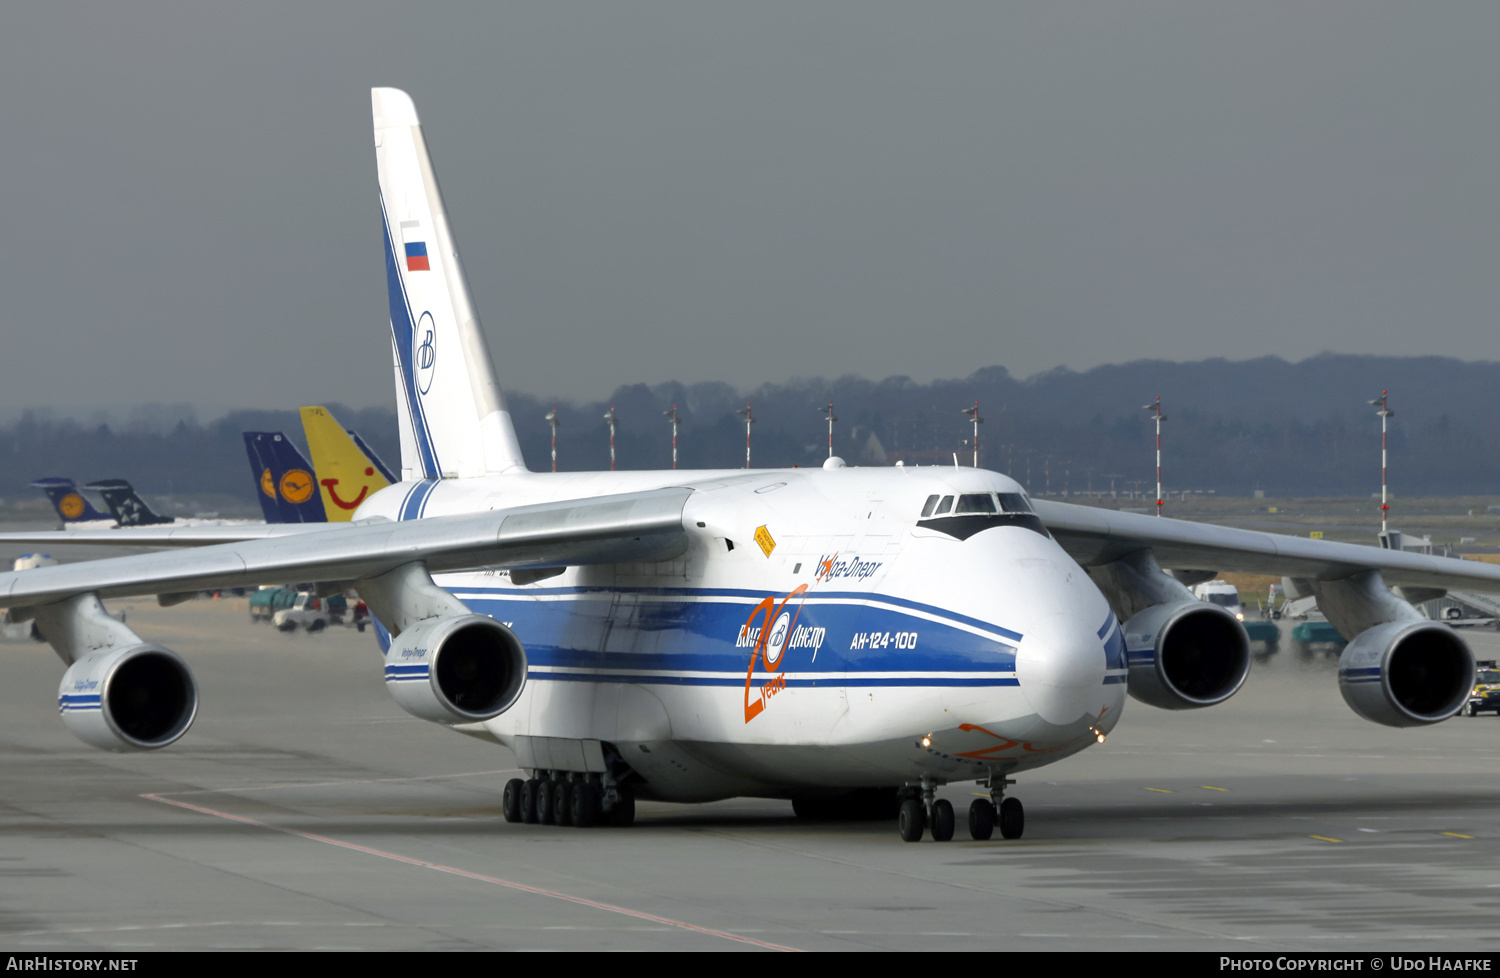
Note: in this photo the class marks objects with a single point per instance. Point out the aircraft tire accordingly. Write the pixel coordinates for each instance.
(1012, 818)
(912, 820)
(981, 820)
(562, 802)
(510, 800)
(586, 805)
(622, 815)
(529, 791)
(942, 820)
(545, 796)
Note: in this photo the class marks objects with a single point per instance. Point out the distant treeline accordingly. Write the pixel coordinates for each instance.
(1233, 427)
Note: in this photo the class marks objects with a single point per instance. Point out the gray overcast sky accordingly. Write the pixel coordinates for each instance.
(746, 192)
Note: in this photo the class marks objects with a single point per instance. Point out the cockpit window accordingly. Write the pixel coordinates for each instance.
(931, 505)
(1014, 502)
(976, 503)
(944, 506)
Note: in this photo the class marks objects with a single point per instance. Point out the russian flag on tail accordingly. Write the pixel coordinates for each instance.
(416, 246)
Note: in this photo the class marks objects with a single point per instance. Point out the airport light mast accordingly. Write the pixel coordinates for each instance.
(1385, 414)
(609, 416)
(831, 419)
(1155, 409)
(672, 416)
(972, 413)
(552, 420)
(749, 420)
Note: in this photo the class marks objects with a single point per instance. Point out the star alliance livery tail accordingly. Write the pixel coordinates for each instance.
(68, 502)
(348, 473)
(128, 508)
(286, 486)
(452, 416)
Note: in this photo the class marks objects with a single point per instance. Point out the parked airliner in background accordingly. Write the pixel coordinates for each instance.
(843, 637)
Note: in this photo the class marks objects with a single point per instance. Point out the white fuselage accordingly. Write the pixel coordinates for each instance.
(817, 633)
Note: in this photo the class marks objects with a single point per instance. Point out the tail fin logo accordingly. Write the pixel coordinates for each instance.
(71, 506)
(267, 484)
(297, 487)
(426, 352)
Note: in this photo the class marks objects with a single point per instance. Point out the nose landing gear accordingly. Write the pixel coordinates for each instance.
(920, 810)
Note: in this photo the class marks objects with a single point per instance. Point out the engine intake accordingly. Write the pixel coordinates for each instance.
(1406, 673)
(129, 698)
(459, 669)
(1186, 655)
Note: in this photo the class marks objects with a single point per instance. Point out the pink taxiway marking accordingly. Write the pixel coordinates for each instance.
(466, 874)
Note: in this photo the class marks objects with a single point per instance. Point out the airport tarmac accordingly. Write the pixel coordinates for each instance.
(305, 810)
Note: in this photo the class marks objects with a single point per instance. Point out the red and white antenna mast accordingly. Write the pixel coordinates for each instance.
(831, 419)
(552, 420)
(972, 413)
(1155, 409)
(609, 416)
(672, 416)
(1385, 413)
(749, 420)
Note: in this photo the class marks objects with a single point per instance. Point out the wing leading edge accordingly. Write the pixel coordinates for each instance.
(1095, 536)
(603, 530)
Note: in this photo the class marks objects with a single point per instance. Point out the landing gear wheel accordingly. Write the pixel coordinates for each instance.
(622, 815)
(545, 798)
(912, 820)
(510, 801)
(981, 820)
(1012, 818)
(562, 802)
(585, 806)
(528, 800)
(942, 820)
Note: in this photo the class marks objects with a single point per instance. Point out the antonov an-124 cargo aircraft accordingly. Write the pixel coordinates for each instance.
(848, 638)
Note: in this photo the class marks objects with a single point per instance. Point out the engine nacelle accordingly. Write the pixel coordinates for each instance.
(459, 669)
(1186, 655)
(128, 698)
(1406, 673)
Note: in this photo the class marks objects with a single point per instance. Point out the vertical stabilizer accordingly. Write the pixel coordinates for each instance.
(285, 480)
(128, 508)
(453, 416)
(346, 476)
(69, 503)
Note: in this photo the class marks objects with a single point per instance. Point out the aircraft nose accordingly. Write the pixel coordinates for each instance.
(1060, 667)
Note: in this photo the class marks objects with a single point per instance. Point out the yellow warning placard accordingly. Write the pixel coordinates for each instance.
(763, 537)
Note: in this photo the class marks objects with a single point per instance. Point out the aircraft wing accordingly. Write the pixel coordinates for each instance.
(1098, 536)
(600, 530)
(163, 536)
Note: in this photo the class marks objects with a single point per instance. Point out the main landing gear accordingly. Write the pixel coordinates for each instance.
(568, 798)
(920, 810)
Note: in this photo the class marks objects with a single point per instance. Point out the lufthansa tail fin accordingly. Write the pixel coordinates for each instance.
(128, 508)
(285, 483)
(347, 475)
(260, 471)
(454, 423)
(68, 501)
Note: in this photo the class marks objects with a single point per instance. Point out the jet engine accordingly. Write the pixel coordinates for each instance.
(128, 698)
(1186, 655)
(457, 669)
(1406, 673)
